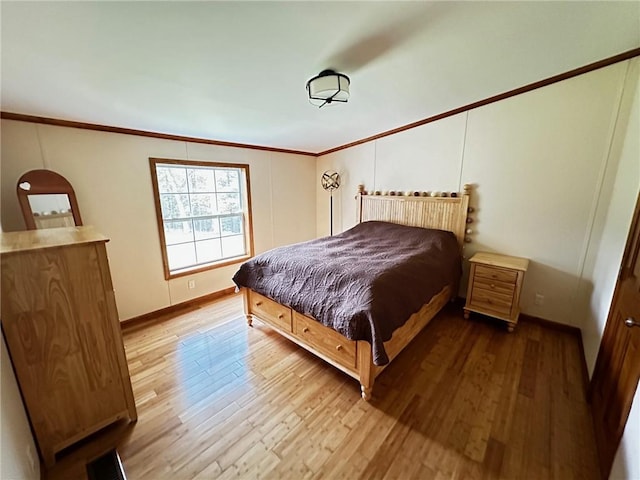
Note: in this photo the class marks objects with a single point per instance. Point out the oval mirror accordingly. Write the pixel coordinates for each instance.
(47, 200)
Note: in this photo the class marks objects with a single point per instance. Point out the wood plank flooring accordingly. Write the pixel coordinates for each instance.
(466, 399)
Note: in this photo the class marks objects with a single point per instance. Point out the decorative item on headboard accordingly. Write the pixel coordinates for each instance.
(417, 193)
(469, 231)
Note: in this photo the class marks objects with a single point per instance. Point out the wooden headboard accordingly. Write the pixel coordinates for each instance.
(418, 209)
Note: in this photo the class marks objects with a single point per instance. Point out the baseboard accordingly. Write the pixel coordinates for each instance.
(175, 309)
(551, 324)
(585, 370)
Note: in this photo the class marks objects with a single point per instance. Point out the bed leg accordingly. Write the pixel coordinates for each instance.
(247, 309)
(365, 367)
(366, 392)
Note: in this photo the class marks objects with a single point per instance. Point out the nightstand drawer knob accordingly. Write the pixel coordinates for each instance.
(258, 304)
(493, 285)
(305, 330)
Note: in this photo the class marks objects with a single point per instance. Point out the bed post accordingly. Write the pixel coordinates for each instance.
(462, 229)
(359, 203)
(245, 301)
(466, 196)
(365, 368)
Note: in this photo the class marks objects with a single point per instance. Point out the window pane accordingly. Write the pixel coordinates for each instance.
(227, 180)
(233, 246)
(181, 256)
(178, 232)
(175, 205)
(201, 180)
(229, 203)
(171, 179)
(206, 228)
(231, 225)
(208, 250)
(203, 204)
(202, 213)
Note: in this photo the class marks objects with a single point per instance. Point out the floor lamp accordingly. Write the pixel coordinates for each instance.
(330, 180)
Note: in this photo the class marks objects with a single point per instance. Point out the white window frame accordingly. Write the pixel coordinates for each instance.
(245, 195)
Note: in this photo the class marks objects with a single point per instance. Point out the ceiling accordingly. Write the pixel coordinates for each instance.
(236, 71)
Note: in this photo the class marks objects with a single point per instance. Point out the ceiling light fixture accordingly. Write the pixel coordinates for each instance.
(327, 88)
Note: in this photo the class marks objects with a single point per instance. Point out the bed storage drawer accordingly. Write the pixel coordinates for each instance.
(269, 311)
(327, 341)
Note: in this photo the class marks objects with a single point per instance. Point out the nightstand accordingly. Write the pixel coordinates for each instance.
(495, 283)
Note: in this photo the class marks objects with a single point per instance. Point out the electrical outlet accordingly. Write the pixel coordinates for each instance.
(191, 284)
(31, 458)
(539, 300)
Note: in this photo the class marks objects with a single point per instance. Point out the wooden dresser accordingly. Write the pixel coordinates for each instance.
(495, 283)
(61, 326)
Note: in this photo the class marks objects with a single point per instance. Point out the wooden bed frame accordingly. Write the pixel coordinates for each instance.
(354, 357)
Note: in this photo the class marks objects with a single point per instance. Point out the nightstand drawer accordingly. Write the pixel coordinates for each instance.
(494, 273)
(486, 299)
(497, 286)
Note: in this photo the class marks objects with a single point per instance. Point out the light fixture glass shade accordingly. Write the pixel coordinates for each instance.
(328, 87)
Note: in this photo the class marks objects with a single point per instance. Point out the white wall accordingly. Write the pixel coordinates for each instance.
(538, 161)
(111, 177)
(16, 436)
(613, 218)
(626, 465)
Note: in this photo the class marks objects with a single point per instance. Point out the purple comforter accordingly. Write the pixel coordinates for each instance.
(364, 283)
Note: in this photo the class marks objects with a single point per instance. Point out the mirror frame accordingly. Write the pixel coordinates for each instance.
(45, 182)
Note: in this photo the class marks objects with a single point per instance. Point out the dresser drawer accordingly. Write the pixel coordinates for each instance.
(494, 273)
(270, 311)
(487, 299)
(325, 340)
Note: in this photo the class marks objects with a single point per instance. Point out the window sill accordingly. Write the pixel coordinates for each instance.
(203, 268)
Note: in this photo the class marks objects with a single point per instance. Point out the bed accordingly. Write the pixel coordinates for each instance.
(353, 325)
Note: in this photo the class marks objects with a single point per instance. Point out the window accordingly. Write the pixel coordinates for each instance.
(204, 214)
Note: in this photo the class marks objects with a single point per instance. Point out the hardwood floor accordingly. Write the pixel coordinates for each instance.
(466, 399)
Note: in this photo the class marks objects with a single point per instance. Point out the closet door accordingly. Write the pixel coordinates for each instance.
(617, 370)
